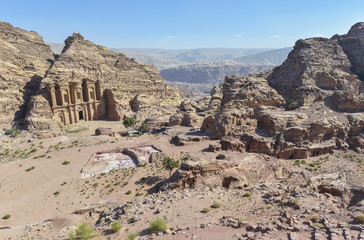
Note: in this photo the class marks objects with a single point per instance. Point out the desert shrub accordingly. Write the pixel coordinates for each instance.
(319, 225)
(116, 226)
(169, 163)
(157, 225)
(56, 193)
(131, 236)
(83, 232)
(66, 162)
(12, 131)
(128, 192)
(6, 217)
(247, 194)
(138, 194)
(129, 121)
(359, 218)
(216, 205)
(30, 169)
(315, 218)
(240, 219)
(81, 129)
(144, 128)
(206, 210)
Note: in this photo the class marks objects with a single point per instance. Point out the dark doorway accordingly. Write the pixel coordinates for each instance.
(80, 115)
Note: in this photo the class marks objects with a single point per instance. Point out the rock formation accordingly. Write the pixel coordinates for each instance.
(121, 84)
(310, 105)
(186, 116)
(86, 81)
(24, 59)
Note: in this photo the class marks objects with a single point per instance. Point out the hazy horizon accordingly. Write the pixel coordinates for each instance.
(184, 25)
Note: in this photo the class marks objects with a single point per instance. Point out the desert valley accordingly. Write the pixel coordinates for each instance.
(96, 145)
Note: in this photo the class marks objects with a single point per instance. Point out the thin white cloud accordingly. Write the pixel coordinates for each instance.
(275, 36)
(165, 40)
(238, 35)
(319, 35)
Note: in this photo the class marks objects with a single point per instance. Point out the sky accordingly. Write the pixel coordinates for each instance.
(183, 24)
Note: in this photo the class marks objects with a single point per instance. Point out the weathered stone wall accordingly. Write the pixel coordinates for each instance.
(24, 59)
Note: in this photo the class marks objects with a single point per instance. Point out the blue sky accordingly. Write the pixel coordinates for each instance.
(176, 24)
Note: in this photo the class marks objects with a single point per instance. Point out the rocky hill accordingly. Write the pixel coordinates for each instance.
(24, 59)
(310, 105)
(209, 73)
(29, 66)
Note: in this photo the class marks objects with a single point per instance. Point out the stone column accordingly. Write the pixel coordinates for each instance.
(52, 94)
(65, 95)
(78, 89)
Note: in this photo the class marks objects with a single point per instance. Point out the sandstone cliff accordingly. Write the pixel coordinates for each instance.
(28, 68)
(122, 78)
(24, 59)
(210, 73)
(310, 105)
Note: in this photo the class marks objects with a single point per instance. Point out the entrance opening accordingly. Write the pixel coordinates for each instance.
(80, 115)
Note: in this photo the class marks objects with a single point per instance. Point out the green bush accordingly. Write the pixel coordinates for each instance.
(206, 210)
(66, 162)
(83, 232)
(359, 218)
(129, 121)
(131, 236)
(247, 194)
(319, 225)
(169, 163)
(128, 192)
(144, 128)
(30, 169)
(6, 216)
(157, 225)
(315, 218)
(116, 226)
(216, 205)
(12, 131)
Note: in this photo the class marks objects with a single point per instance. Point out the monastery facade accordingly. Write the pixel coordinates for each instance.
(76, 100)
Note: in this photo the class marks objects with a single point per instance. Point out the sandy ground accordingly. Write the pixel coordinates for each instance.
(29, 196)
(53, 189)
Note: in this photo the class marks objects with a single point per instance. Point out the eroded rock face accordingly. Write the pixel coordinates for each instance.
(226, 173)
(24, 58)
(352, 44)
(134, 86)
(300, 109)
(41, 119)
(315, 66)
(186, 116)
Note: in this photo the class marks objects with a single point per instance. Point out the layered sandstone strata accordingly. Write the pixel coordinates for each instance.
(310, 105)
(24, 59)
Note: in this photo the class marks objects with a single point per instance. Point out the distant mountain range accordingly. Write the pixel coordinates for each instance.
(167, 58)
(209, 66)
(211, 72)
(164, 58)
